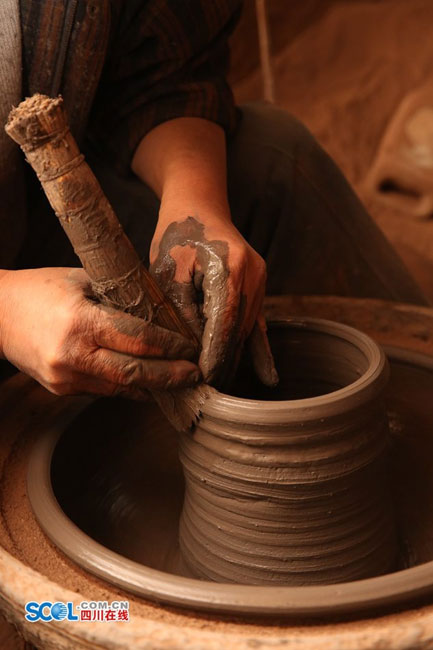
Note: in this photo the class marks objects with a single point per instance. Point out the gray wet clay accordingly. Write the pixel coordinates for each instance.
(292, 488)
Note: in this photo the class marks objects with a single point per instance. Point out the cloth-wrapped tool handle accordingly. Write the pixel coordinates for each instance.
(39, 125)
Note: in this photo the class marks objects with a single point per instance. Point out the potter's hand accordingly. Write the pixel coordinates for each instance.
(217, 282)
(200, 259)
(52, 329)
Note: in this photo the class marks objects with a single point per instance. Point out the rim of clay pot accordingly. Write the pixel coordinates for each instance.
(369, 384)
(391, 589)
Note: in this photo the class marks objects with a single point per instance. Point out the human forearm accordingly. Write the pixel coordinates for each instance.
(184, 162)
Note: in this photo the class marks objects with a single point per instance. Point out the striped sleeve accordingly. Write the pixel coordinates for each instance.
(167, 59)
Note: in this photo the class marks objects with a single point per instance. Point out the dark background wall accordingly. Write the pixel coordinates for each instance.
(344, 67)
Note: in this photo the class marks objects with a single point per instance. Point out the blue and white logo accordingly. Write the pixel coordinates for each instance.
(87, 611)
(48, 611)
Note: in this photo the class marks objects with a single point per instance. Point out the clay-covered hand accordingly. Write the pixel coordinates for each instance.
(53, 329)
(217, 282)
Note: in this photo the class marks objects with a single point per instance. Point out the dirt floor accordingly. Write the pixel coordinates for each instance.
(343, 67)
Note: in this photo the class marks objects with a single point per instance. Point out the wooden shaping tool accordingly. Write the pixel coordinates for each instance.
(119, 279)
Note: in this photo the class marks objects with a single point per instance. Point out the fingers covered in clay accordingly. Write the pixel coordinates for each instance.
(223, 333)
(229, 324)
(177, 271)
(125, 370)
(217, 282)
(125, 333)
(71, 345)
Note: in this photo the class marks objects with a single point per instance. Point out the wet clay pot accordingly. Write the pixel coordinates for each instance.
(291, 488)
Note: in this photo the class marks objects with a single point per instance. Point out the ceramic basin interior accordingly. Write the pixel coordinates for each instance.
(107, 487)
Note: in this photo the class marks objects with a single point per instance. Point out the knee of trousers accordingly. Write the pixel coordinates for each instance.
(276, 127)
(268, 143)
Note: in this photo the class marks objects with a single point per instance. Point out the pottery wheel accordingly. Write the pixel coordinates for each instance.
(116, 475)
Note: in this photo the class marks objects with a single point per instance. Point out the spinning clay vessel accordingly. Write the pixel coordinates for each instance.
(291, 487)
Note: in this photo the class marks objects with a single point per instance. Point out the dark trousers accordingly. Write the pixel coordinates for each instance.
(290, 202)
